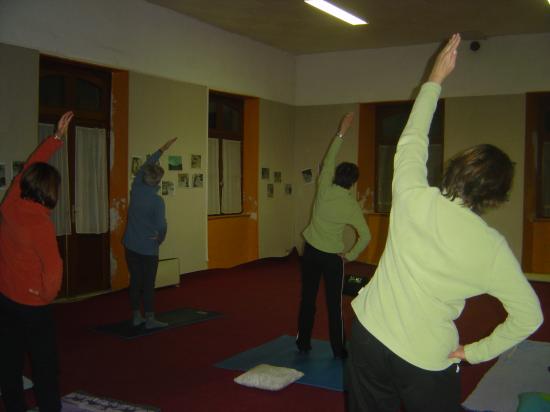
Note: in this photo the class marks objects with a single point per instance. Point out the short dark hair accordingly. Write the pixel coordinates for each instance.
(481, 176)
(40, 183)
(346, 175)
(152, 174)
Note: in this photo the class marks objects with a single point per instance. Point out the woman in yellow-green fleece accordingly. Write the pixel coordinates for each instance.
(405, 345)
(334, 208)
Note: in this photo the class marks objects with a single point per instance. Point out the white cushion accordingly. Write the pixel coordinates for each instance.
(268, 377)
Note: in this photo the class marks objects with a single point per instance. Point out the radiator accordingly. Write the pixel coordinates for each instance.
(168, 273)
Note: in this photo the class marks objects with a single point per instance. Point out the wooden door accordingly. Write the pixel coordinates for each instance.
(86, 91)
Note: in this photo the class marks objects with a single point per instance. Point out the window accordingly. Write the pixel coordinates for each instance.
(225, 132)
(390, 119)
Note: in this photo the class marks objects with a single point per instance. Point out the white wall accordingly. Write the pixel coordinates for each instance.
(142, 37)
(503, 65)
(276, 218)
(160, 109)
(500, 121)
(19, 107)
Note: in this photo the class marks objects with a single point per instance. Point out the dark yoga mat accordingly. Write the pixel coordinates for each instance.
(319, 366)
(174, 318)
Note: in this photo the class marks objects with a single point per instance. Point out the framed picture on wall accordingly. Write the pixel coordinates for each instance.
(167, 188)
(3, 177)
(175, 163)
(307, 175)
(288, 189)
(198, 180)
(265, 173)
(183, 180)
(196, 161)
(136, 164)
(16, 167)
(277, 177)
(270, 190)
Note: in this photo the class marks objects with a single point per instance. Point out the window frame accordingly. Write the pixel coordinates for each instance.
(395, 107)
(220, 133)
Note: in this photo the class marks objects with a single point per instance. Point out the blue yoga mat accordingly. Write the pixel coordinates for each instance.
(319, 366)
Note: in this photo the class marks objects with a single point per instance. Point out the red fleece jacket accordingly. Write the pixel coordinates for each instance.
(30, 266)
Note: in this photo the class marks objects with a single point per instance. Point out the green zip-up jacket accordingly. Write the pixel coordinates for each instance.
(334, 208)
(438, 254)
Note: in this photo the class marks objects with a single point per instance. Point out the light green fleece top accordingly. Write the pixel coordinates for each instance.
(439, 253)
(334, 208)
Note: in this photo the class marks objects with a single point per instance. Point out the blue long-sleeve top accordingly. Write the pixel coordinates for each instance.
(146, 226)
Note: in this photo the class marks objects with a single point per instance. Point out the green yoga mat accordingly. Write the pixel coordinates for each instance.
(174, 318)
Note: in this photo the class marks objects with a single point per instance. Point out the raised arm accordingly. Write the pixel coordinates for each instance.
(138, 179)
(42, 153)
(412, 149)
(327, 172)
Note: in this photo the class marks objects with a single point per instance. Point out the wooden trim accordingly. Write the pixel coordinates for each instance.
(118, 187)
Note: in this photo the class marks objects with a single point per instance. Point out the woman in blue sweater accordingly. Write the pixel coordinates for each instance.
(145, 231)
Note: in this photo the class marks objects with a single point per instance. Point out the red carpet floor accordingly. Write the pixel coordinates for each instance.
(174, 369)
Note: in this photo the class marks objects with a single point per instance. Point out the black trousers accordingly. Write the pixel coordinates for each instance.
(143, 272)
(330, 266)
(28, 329)
(378, 380)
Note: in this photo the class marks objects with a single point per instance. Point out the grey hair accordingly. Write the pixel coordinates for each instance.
(152, 174)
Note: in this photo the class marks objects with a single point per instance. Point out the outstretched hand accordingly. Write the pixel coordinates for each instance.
(63, 124)
(166, 145)
(445, 61)
(345, 123)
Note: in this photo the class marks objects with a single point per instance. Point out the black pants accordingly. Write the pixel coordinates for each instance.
(379, 380)
(143, 272)
(314, 265)
(28, 329)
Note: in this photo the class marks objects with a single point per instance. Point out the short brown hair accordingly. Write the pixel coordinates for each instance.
(481, 176)
(40, 183)
(152, 174)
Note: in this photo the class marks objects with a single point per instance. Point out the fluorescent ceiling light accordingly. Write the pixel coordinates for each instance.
(336, 11)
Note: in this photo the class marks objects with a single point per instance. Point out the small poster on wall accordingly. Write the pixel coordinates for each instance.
(195, 161)
(198, 180)
(136, 164)
(183, 180)
(307, 175)
(277, 177)
(167, 188)
(288, 189)
(175, 163)
(265, 173)
(3, 177)
(270, 190)
(16, 167)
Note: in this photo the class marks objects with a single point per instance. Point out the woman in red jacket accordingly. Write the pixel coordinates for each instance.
(30, 278)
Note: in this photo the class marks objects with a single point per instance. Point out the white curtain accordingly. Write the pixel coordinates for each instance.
(213, 177)
(92, 195)
(231, 190)
(61, 214)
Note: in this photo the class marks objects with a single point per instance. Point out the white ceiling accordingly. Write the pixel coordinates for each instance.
(298, 28)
